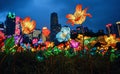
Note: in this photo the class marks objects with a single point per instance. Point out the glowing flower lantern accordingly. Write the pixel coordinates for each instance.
(64, 34)
(17, 20)
(35, 41)
(79, 16)
(74, 44)
(61, 46)
(17, 29)
(40, 41)
(17, 38)
(27, 25)
(111, 40)
(2, 37)
(47, 43)
(45, 31)
(67, 45)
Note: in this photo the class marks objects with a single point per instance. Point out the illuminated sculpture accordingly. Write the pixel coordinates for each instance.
(45, 31)
(111, 40)
(17, 28)
(2, 37)
(27, 25)
(64, 34)
(74, 44)
(79, 16)
(10, 15)
(35, 41)
(17, 38)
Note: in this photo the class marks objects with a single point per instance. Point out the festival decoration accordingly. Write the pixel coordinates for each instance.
(45, 31)
(47, 43)
(11, 15)
(56, 51)
(17, 38)
(61, 46)
(17, 28)
(27, 25)
(74, 44)
(17, 19)
(40, 41)
(35, 41)
(64, 34)
(9, 44)
(17, 31)
(2, 38)
(111, 40)
(79, 16)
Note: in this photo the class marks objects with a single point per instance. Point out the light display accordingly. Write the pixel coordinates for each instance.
(17, 38)
(27, 25)
(45, 31)
(74, 44)
(79, 16)
(64, 34)
(9, 44)
(11, 15)
(35, 41)
(2, 37)
(17, 19)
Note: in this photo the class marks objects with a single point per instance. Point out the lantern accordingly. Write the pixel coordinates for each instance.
(34, 41)
(79, 16)
(27, 25)
(17, 38)
(45, 31)
(74, 44)
(64, 34)
(2, 37)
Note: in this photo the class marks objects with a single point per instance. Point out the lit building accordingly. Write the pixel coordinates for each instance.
(55, 27)
(10, 24)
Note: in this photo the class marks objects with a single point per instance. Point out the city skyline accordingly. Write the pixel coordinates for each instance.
(103, 12)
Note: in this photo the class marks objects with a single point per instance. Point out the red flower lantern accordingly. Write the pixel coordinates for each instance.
(45, 31)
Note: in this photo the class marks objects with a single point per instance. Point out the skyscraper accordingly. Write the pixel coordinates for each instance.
(10, 24)
(54, 26)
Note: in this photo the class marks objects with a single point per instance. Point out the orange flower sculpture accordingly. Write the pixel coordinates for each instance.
(27, 25)
(79, 16)
(45, 31)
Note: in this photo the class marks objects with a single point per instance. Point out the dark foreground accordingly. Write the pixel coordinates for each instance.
(27, 63)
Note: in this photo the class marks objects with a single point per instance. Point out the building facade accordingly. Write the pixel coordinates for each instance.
(55, 27)
(10, 24)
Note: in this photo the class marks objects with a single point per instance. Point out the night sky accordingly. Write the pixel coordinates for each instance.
(103, 11)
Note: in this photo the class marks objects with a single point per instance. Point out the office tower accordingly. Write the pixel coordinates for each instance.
(54, 26)
(10, 24)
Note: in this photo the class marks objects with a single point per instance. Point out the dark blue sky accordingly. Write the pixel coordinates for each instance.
(103, 11)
